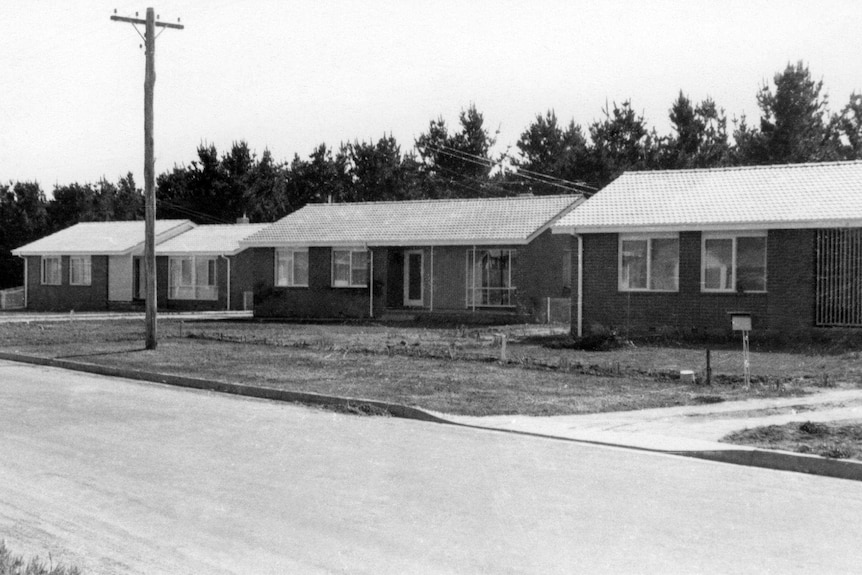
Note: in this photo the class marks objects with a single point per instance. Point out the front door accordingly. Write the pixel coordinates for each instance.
(413, 278)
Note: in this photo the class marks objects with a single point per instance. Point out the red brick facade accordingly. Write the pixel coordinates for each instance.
(66, 297)
(540, 271)
(787, 306)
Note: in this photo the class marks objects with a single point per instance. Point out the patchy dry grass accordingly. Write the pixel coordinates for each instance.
(838, 440)
(11, 564)
(449, 369)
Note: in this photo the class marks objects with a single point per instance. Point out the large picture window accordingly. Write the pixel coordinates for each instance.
(51, 275)
(80, 271)
(649, 263)
(734, 262)
(291, 268)
(192, 278)
(489, 278)
(349, 268)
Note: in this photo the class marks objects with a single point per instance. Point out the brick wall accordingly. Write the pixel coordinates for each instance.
(66, 297)
(539, 272)
(787, 306)
(791, 261)
(319, 299)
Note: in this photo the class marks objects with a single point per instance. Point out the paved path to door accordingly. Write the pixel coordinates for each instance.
(128, 477)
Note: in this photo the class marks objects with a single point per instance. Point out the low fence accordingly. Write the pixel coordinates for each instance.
(12, 298)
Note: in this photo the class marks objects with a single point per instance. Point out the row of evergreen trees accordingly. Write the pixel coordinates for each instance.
(550, 157)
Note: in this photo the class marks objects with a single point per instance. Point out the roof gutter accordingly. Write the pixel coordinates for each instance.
(393, 243)
(709, 227)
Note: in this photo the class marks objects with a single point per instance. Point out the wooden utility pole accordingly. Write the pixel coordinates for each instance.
(149, 36)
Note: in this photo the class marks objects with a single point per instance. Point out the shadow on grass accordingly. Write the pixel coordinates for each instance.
(103, 353)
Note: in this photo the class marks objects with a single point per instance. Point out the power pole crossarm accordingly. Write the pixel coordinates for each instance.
(149, 167)
(158, 24)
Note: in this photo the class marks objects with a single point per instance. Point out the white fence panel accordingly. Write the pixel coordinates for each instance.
(12, 298)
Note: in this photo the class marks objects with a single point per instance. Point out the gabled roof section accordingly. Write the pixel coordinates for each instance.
(101, 238)
(480, 221)
(762, 197)
(209, 240)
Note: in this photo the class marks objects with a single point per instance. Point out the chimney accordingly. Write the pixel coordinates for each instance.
(242, 220)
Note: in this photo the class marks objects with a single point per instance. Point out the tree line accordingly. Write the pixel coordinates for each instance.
(550, 157)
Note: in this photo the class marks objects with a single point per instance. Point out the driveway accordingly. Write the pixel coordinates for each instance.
(127, 477)
(33, 317)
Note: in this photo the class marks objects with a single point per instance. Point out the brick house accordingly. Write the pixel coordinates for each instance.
(679, 250)
(90, 266)
(205, 269)
(487, 257)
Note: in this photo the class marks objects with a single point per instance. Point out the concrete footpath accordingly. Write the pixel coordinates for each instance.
(690, 431)
(34, 317)
(695, 430)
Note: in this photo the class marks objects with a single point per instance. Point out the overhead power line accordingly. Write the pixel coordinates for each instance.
(527, 175)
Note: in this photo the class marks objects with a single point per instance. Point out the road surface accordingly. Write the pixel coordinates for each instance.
(125, 477)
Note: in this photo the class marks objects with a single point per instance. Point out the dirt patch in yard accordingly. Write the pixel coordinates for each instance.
(838, 440)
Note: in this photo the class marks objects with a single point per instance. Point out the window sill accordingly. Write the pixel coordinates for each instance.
(732, 292)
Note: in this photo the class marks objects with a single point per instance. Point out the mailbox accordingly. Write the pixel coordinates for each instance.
(740, 320)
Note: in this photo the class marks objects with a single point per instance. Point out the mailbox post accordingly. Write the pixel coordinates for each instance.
(741, 321)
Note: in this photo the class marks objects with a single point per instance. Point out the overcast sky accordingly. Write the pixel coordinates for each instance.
(289, 75)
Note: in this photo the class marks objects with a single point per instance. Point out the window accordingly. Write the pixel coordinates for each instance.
(291, 268)
(489, 278)
(349, 268)
(649, 263)
(51, 270)
(80, 270)
(192, 278)
(734, 262)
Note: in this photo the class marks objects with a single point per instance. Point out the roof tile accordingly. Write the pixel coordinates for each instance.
(464, 221)
(797, 194)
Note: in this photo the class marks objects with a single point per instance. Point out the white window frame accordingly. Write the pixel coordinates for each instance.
(288, 257)
(85, 263)
(474, 287)
(195, 290)
(336, 283)
(734, 236)
(648, 239)
(57, 275)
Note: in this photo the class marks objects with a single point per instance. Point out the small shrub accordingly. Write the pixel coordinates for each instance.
(837, 451)
(706, 399)
(812, 428)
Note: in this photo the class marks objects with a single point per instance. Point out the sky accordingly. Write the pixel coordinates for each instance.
(289, 75)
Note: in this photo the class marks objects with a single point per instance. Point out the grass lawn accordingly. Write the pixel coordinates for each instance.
(839, 440)
(452, 370)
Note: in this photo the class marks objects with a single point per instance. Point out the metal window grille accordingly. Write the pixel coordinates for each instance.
(839, 278)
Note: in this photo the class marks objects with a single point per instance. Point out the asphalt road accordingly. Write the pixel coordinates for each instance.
(128, 477)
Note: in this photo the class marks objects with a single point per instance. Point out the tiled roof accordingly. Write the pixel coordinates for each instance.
(212, 240)
(101, 238)
(423, 222)
(784, 196)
